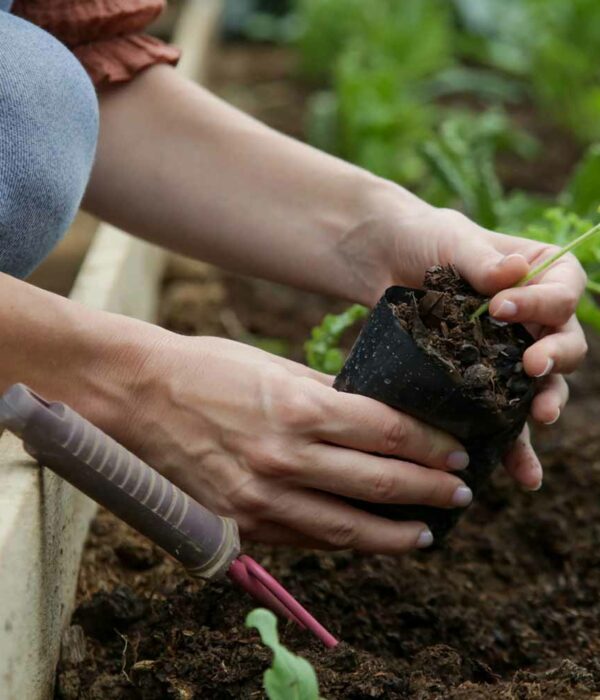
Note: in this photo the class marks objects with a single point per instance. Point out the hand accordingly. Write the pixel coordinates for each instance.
(271, 443)
(412, 236)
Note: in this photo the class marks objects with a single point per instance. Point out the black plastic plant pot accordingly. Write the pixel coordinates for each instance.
(386, 364)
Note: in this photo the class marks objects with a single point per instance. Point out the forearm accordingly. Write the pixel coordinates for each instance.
(86, 358)
(181, 168)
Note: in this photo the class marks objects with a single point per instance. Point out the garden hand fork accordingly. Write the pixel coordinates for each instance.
(206, 544)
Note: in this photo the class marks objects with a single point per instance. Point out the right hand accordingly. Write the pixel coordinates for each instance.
(270, 443)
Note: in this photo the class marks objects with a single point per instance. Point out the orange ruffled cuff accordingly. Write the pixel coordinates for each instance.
(105, 35)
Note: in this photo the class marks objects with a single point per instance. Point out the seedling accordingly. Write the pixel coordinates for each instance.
(542, 267)
(290, 677)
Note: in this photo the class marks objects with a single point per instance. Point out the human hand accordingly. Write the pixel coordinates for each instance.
(272, 444)
(410, 237)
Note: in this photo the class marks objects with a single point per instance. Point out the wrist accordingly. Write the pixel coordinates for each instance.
(116, 368)
(369, 248)
(66, 352)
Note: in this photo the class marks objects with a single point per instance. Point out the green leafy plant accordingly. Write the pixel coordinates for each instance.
(462, 158)
(377, 59)
(322, 351)
(551, 44)
(290, 677)
(581, 193)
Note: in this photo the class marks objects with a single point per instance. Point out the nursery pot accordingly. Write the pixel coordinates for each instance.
(386, 364)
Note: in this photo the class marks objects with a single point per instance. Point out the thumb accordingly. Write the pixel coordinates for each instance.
(488, 270)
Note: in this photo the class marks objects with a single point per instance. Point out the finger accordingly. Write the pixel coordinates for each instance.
(560, 352)
(549, 304)
(342, 526)
(484, 266)
(522, 463)
(364, 424)
(379, 479)
(550, 400)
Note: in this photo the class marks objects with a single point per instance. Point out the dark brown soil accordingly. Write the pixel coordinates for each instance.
(484, 355)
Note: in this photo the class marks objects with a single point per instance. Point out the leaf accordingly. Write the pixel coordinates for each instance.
(466, 80)
(290, 677)
(582, 194)
(462, 158)
(322, 352)
(588, 312)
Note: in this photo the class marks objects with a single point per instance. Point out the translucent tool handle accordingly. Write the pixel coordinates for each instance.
(93, 462)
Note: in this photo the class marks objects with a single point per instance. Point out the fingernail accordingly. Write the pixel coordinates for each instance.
(457, 460)
(425, 539)
(507, 309)
(538, 480)
(547, 369)
(462, 497)
(553, 421)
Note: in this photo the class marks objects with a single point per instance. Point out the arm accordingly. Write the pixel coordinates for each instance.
(181, 168)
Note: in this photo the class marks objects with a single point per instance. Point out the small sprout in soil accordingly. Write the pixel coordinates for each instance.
(322, 351)
(542, 267)
(290, 677)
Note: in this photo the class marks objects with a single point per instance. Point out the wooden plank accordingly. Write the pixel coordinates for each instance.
(43, 521)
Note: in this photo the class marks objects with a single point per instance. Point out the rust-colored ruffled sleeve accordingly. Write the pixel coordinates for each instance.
(105, 35)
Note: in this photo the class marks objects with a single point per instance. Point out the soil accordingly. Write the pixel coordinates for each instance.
(509, 609)
(484, 355)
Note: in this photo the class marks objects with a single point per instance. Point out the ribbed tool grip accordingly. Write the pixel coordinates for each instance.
(104, 470)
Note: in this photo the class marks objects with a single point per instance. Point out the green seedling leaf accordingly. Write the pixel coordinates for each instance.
(290, 677)
(322, 351)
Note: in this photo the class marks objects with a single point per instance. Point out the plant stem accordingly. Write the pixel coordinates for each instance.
(593, 287)
(542, 267)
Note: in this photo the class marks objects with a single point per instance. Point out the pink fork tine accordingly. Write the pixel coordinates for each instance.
(267, 590)
(240, 575)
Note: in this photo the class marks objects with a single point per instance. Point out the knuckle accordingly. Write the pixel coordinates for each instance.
(296, 410)
(570, 299)
(384, 487)
(249, 499)
(342, 535)
(395, 435)
(271, 458)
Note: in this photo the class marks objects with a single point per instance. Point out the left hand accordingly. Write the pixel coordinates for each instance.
(410, 237)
